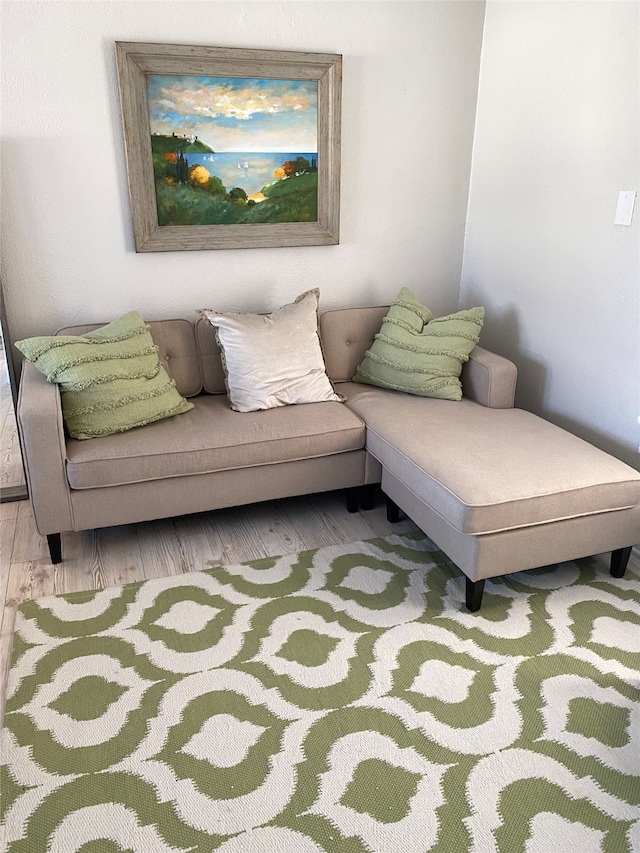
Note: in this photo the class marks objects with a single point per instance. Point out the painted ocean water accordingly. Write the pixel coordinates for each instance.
(249, 170)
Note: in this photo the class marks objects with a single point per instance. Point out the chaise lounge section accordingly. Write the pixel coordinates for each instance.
(498, 489)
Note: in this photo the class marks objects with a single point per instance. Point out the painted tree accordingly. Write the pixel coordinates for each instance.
(199, 177)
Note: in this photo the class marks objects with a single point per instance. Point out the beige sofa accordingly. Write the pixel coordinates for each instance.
(498, 489)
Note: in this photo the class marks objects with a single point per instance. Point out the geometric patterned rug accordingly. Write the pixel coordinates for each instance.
(340, 700)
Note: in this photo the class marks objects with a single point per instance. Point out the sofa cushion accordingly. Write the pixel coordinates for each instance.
(212, 437)
(419, 354)
(487, 470)
(110, 379)
(176, 344)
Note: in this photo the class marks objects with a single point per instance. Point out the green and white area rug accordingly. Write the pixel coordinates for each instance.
(338, 700)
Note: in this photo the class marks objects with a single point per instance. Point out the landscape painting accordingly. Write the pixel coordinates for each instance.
(229, 150)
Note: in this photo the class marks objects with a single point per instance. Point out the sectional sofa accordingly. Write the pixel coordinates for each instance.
(498, 489)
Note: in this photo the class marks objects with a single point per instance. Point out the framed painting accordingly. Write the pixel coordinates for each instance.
(230, 147)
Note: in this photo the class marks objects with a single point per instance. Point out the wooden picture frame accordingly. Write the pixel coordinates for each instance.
(142, 65)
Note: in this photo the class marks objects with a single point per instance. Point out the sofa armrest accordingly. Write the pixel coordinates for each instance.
(39, 416)
(489, 379)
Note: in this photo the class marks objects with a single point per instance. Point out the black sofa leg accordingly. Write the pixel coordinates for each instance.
(473, 597)
(353, 498)
(368, 498)
(619, 560)
(54, 541)
(393, 511)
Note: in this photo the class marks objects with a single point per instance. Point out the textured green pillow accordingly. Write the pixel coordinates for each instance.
(110, 380)
(416, 353)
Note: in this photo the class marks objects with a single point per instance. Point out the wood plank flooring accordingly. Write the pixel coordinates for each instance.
(112, 556)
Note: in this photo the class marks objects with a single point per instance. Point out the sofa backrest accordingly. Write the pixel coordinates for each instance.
(210, 360)
(346, 334)
(192, 355)
(176, 348)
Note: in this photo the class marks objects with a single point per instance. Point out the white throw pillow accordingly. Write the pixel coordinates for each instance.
(273, 359)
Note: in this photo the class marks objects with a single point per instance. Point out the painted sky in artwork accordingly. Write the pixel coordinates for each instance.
(236, 113)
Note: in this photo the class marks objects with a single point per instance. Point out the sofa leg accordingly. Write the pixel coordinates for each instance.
(368, 498)
(473, 597)
(619, 560)
(353, 498)
(393, 511)
(54, 541)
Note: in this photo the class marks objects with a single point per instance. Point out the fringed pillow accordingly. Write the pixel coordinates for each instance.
(419, 354)
(110, 379)
(273, 359)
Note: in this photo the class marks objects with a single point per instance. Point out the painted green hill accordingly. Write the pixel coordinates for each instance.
(162, 144)
(292, 200)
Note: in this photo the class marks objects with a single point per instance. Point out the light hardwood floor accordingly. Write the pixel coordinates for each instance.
(112, 556)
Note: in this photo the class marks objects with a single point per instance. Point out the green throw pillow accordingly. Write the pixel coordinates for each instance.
(110, 380)
(419, 354)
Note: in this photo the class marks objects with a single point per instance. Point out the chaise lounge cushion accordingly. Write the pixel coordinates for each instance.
(212, 437)
(487, 470)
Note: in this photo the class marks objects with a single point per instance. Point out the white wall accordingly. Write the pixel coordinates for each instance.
(409, 93)
(557, 137)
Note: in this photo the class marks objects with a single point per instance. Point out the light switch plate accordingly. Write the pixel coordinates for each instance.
(624, 210)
